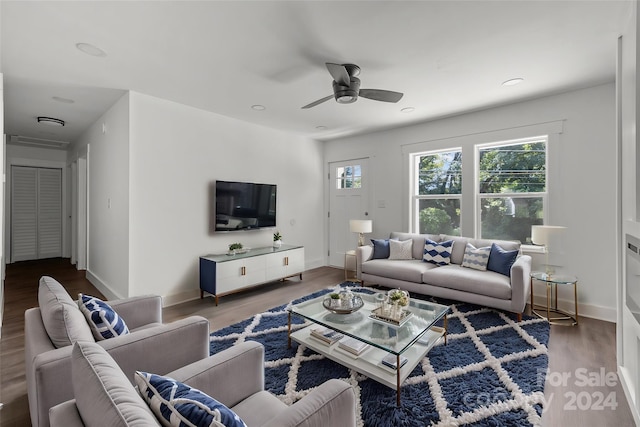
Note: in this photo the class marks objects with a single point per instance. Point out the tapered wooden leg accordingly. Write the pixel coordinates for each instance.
(519, 317)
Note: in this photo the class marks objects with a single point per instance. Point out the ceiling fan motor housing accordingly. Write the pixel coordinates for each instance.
(347, 94)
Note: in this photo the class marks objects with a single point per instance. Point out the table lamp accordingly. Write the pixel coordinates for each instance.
(361, 226)
(545, 235)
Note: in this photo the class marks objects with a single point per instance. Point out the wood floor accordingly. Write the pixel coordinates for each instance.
(579, 357)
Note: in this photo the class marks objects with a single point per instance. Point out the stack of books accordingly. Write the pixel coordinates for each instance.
(391, 360)
(353, 346)
(326, 335)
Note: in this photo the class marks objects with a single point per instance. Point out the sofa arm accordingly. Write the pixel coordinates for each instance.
(161, 349)
(331, 404)
(363, 253)
(139, 311)
(520, 283)
(241, 366)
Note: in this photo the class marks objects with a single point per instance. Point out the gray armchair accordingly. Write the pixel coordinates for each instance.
(234, 377)
(151, 345)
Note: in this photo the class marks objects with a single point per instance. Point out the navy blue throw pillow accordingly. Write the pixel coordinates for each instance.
(501, 261)
(380, 248)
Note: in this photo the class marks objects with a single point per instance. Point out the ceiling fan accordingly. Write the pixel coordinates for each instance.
(346, 87)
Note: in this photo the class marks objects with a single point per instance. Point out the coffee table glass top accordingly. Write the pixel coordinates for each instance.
(391, 338)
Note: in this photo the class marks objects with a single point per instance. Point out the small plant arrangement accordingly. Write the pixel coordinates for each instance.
(334, 296)
(335, 299)
(277, 236)
(235, 247)
(399, 297)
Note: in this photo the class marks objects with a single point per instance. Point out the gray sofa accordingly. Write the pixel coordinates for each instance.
(52, 328)
(234, 377)
(486, 288)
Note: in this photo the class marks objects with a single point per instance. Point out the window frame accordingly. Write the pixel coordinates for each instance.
(479, 196)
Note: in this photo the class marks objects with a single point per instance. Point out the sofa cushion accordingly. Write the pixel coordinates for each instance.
(438, 253)
(62, 319)
(104, 396)
(174, 403)
(418, 241)
(401, 249)
(410, 271)
(501, 260)
(103, 321)
(380, 248)
(454, 276)
(476, 258)
(460, 243)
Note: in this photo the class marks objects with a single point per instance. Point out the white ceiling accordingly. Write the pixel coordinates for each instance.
(447, 57)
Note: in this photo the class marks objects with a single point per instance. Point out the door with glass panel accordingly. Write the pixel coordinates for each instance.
(348, 199)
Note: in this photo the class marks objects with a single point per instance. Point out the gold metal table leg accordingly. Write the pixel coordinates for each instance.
(289, 332)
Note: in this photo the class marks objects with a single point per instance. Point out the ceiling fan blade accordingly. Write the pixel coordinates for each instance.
(339, 74)
(319, 101)
(381, 95)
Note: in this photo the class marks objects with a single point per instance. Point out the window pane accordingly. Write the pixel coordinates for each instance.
(439, 216)
(440, 173)
(507, 218)
(518, 168)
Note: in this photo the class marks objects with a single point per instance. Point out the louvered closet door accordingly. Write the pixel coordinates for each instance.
(36, 213)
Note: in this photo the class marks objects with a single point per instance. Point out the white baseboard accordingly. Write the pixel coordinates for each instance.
(102, 286)
(608, 314)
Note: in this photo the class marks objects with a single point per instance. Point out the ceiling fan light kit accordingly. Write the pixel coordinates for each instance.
(346, 87)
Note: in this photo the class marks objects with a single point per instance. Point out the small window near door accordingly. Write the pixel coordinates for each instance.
(348, 177)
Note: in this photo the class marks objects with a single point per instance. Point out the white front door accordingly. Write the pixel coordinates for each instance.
(348, 199)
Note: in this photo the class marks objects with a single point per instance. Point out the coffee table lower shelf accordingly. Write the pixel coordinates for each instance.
(369, 363)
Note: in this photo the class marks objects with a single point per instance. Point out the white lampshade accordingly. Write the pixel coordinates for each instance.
(542, 234)
(361, 225)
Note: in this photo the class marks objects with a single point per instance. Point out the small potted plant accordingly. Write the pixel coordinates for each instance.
(234, 248)
(335, 299)
(277, 239)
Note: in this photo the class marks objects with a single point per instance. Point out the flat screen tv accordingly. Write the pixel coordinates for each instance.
(244, 206)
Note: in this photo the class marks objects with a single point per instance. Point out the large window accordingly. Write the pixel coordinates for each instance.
(512, 188)
(503, 194)
(437, 192)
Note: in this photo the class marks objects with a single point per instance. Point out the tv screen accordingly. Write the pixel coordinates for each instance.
(244, 206)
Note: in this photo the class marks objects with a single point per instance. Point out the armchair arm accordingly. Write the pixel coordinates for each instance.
(139, 311)
(161, 349)
(363, 253)
(520, 283)
(229, 376)
(331, 404)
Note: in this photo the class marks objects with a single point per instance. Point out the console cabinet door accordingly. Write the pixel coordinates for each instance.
(276, 265)
(294, 262)
(229, 276)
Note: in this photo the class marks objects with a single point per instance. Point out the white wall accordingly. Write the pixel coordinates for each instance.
(108, 203)
(177, 152)
(582, 176)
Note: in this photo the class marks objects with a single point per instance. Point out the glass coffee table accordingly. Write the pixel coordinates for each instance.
(412, 340)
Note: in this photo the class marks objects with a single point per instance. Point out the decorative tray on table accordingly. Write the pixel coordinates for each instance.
(345, 307)
(379, 316)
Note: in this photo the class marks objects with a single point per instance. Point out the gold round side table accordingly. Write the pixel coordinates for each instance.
(551, 312)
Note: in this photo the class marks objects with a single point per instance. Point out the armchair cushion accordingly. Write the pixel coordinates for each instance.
(175, 402)
(61, 317)
(102, 319)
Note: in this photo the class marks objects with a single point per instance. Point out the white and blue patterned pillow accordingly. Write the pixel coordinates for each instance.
(177, 404)
(476, 258)
(102, 319)
(437, 253)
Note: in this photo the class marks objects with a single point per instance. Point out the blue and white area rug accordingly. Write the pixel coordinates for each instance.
(491, 372)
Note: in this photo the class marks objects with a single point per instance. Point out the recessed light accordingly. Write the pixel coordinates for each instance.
(90, 49)
(63, 100)
(321, 127)
(513, 82)
(258, 107)
(408, 110)
(50, 121)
